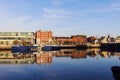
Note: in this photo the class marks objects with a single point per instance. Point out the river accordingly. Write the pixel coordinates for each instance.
(92, 64)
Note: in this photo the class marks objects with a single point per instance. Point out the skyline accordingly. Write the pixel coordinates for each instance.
(62, 17)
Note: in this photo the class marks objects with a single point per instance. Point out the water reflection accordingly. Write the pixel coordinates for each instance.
(44, 58)
(7, 57)
(86, 53)
(91, 64)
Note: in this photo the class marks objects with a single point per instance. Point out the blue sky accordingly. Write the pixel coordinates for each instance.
(63, 17)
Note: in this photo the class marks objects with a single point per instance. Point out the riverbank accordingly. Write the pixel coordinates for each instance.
(103, 46)
(110, 47)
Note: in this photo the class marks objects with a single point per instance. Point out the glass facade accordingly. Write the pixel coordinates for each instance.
(9, 37)
(16, 34)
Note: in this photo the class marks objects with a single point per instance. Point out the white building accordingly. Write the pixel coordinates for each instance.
(117, 39)
(9, 37)
(103, 40)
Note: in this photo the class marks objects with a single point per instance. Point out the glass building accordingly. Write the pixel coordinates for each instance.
(9, 37)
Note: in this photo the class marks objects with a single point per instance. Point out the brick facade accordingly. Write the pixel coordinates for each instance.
(43, 37)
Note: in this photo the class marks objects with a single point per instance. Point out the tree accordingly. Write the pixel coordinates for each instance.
(15, 42)
(23, 42)
(7, 43)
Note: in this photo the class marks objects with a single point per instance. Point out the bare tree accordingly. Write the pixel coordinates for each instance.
(15, 42)
(7, 43)
(23, 42)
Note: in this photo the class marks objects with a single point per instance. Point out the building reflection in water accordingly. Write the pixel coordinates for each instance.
(92, 53)
(79, 54)
(7, 57)
(72, 54)
(44, 58)
(85, 53)
(76, 54)
(105, 54)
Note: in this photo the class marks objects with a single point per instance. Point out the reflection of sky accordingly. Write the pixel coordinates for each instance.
(17, 72)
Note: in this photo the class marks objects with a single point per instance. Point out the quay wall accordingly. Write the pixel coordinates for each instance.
(84, 46)
(67, 46)
(110, 47)
(73, 47)
(81, 47)
(103, 46)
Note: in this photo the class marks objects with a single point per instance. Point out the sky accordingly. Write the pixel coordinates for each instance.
(62, 17)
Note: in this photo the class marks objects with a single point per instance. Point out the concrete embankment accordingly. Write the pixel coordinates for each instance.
(103, 46)
(73, 47)
(81, 47)
(9, 47)
(110, 47)
(84, 46)
(67, 46)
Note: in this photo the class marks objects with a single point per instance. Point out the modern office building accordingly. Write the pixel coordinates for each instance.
(9, 38)
(43, 37)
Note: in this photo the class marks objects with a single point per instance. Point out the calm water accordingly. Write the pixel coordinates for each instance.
(62, 65)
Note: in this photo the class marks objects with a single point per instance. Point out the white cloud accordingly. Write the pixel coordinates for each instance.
(56, 16)
(60, 13)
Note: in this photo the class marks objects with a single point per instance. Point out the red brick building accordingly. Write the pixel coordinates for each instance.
(79, 39)
(91, 39)
(63, 40)
(76, 39)
(43, 37)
